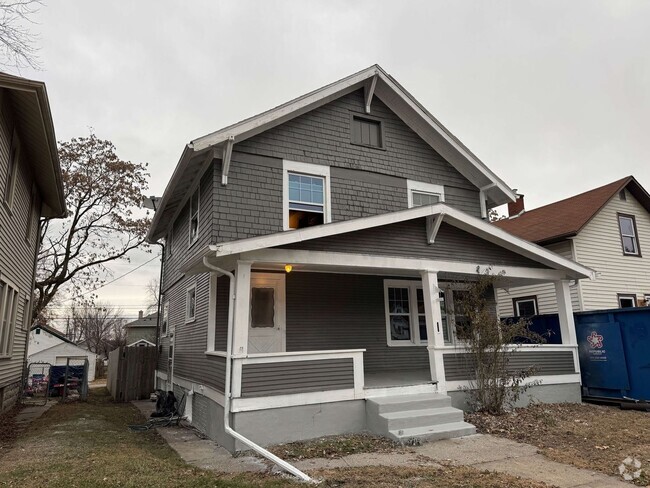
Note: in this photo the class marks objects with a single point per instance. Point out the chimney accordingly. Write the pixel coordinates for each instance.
(140, 314)
(516, 208)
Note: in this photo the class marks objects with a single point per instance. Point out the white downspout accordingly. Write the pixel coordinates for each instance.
(227, 393)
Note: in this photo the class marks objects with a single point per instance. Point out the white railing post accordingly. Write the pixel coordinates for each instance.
(435, 336)
(359, 381)
(567, 324)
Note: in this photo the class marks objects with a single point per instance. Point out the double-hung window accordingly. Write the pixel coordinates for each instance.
(8, 312)
(405, 318)
(194, 216)
(629, 238)
(420, 193)
(306, 195)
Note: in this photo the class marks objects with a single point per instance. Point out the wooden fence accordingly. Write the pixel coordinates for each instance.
(131, 373)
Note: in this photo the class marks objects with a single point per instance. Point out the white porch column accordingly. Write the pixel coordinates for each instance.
(567, 324)
(240, 321)
(435, 337)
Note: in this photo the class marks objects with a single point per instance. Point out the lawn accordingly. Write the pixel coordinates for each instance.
(88, 444)
(587, 436)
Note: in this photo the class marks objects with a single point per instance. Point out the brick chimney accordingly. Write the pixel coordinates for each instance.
(140, 314)
(515, 208)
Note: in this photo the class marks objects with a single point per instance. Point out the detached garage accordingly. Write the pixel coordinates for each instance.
(48, 345)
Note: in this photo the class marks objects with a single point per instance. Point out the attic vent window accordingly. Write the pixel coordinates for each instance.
(367, 132)
(622, 196)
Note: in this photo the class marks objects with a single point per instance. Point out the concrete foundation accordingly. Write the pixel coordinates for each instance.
(563, 393)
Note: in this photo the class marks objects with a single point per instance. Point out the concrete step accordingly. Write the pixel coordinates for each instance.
(421, 418)
(432, 433)
(407, 402)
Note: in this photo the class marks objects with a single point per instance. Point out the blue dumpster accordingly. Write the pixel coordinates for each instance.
(614, 348)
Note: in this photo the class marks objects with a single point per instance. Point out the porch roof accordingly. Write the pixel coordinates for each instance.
(244, 248)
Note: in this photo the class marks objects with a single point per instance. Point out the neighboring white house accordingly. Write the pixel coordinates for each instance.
(47, 345)
(606, 229)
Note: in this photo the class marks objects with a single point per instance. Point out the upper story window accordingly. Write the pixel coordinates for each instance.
(165, 318)
(194, 216)
(629, 236)
(12, 170)
(420, 193)
(190, 304)
(8, 312)
(306, 195)
(367, 131)
(525, 306)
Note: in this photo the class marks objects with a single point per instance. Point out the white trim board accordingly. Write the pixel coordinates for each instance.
(307, 169)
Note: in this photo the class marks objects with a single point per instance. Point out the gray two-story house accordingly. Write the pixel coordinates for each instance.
(312, 257)
(30, 188)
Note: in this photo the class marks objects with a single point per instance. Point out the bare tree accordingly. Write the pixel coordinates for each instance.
(101, 327)
(102, 193)
(153, 294)
(17, 43)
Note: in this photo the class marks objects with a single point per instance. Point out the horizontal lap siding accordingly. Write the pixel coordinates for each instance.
(458, 366)
(16, 252)
(598, 246)
(333, 311)
(190, 339)
(408, 239)
(297, 377)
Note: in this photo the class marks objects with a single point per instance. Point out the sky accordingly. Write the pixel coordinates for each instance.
(553, 96)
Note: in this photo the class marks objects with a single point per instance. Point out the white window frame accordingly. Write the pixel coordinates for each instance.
(164, 321)
(190, 289)
(421, 187)
(634, 236)
(307, 169)
(9, 295)
(413, 286)
(626, 296)
(530, 298)
(197, 192)
(646, 299)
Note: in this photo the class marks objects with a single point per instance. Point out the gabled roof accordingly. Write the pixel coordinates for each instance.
(150, 320)
(199, 152)
(34, 121)
(449, 215)
(56, 333)
(567, 217)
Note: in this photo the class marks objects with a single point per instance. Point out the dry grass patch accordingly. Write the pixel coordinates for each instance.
(587, 436)
(336, 446)
(8, 428)
(444, 477)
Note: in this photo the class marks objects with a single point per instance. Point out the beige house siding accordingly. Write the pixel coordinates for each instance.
(598, 246)
(545, 293)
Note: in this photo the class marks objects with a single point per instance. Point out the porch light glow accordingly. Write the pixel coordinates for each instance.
(288, 268)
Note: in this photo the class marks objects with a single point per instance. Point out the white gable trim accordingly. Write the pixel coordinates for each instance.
(452, 216)
(139, 341)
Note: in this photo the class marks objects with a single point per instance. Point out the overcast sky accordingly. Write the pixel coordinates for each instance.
(553, 96)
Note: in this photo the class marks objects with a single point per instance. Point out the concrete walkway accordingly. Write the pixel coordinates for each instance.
(484, 452)
(30, 413)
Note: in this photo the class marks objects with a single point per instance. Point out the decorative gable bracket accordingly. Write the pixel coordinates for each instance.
(369, 90)
(225, 160)
(433, 225)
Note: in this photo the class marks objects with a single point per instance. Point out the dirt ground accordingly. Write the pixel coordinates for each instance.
(88, 444)
(335, 447)
(588, 436)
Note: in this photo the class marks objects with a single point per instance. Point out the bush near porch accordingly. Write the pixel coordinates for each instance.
(587, 436)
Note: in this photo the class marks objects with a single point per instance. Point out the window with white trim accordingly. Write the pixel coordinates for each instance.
(306, 195)
(406, 323)
(629, 240)
(8, 311)
(12, 170)
(646, 299)
(525, 306)
(165, 318)
(194, 216)
(190, 304)
(626, 300)
(420, 193)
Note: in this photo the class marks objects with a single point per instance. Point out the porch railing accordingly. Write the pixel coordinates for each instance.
(281, 378)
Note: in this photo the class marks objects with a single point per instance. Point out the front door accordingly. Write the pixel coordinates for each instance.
(266, 326)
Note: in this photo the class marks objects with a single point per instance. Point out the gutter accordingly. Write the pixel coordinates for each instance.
(227, 393)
